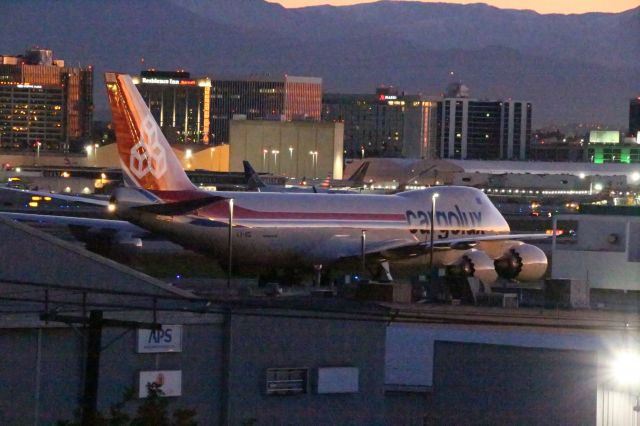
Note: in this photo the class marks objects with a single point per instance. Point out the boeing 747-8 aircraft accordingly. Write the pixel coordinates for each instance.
(302, 230)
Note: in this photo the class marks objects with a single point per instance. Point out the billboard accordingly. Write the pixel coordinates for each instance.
(604, 136)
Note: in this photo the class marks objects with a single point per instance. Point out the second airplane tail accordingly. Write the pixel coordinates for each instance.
(146, 157)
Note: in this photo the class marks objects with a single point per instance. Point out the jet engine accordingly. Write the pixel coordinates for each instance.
(474, 263)
(521, 261)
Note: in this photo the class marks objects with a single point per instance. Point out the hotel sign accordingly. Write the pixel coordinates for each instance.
(170, 81)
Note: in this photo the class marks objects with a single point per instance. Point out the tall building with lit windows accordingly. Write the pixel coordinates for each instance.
(373, 123)
(634, 117)
(44, 104)
(282, 98)
(180, 104)
(482, 129)
(385, 124)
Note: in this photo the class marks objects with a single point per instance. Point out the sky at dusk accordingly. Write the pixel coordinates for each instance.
(541, 6)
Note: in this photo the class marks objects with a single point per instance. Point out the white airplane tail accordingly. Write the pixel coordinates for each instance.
(146, 157)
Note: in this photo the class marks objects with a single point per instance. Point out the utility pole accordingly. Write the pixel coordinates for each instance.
(95, 324)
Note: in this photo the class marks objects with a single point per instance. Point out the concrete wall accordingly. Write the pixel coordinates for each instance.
(44, 380)
(40, 375)
(261, 343)
(490, 384)
(284, 147)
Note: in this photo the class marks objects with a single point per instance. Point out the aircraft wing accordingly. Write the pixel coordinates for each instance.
(62, 197)
(400, 249)
(101, 224)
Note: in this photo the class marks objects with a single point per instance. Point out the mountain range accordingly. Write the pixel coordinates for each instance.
(574, 68)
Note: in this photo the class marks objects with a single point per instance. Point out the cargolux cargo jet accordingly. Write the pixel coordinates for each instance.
(294, 230)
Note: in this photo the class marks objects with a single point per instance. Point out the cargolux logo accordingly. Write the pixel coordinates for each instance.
(148, 155)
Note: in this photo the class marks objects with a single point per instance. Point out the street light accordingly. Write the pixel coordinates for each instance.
(95, 155)
(230, 243)
(275, 153)
(433, 215)
(625, 368)
(38, 143)
(314, 160)
(264, 158)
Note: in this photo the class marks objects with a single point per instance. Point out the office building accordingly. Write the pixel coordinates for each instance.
(607, 146)
(44, 105)
(284, 98)
(482, 129)
(179, 103)
(420, 129)
(634, 118)
(384, 124)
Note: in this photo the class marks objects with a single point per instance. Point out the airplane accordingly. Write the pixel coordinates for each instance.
(292, 230)
(255, 183)
(354, 182)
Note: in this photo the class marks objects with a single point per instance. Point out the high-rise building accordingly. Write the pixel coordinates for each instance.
(387, 124)
(179, 103)
(479, 129)
(44, 104)
(286, 98)
(420, 129)
(634, 117)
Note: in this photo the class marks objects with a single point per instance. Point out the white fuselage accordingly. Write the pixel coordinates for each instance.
(281, 229)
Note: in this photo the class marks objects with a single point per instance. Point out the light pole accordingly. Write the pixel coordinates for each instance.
(95, 154)
(89, 149)
(433, 216)
(291, 169)
(264, 158)
(362, 151)
(275, 153)
(314, 160)
(38, 143)
(230, 242)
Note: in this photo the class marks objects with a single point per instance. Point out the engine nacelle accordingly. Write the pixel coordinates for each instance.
(524, 262)
(474, 263)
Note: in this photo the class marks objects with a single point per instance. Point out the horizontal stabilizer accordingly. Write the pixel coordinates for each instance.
(178, 207)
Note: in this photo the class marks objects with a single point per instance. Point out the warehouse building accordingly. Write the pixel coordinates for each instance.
(292, 360)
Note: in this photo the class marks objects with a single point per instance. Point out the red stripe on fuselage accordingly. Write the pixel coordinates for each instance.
(220, 210)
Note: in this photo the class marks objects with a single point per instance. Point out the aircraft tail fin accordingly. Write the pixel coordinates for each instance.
(146, 157)
(357, 178)
(251, 178)
(326, 183)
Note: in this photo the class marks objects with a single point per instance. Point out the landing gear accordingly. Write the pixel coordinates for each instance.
(285, 277)
(383, 274)
(317, 280)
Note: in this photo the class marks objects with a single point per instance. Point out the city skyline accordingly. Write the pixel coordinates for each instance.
(540, 6)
